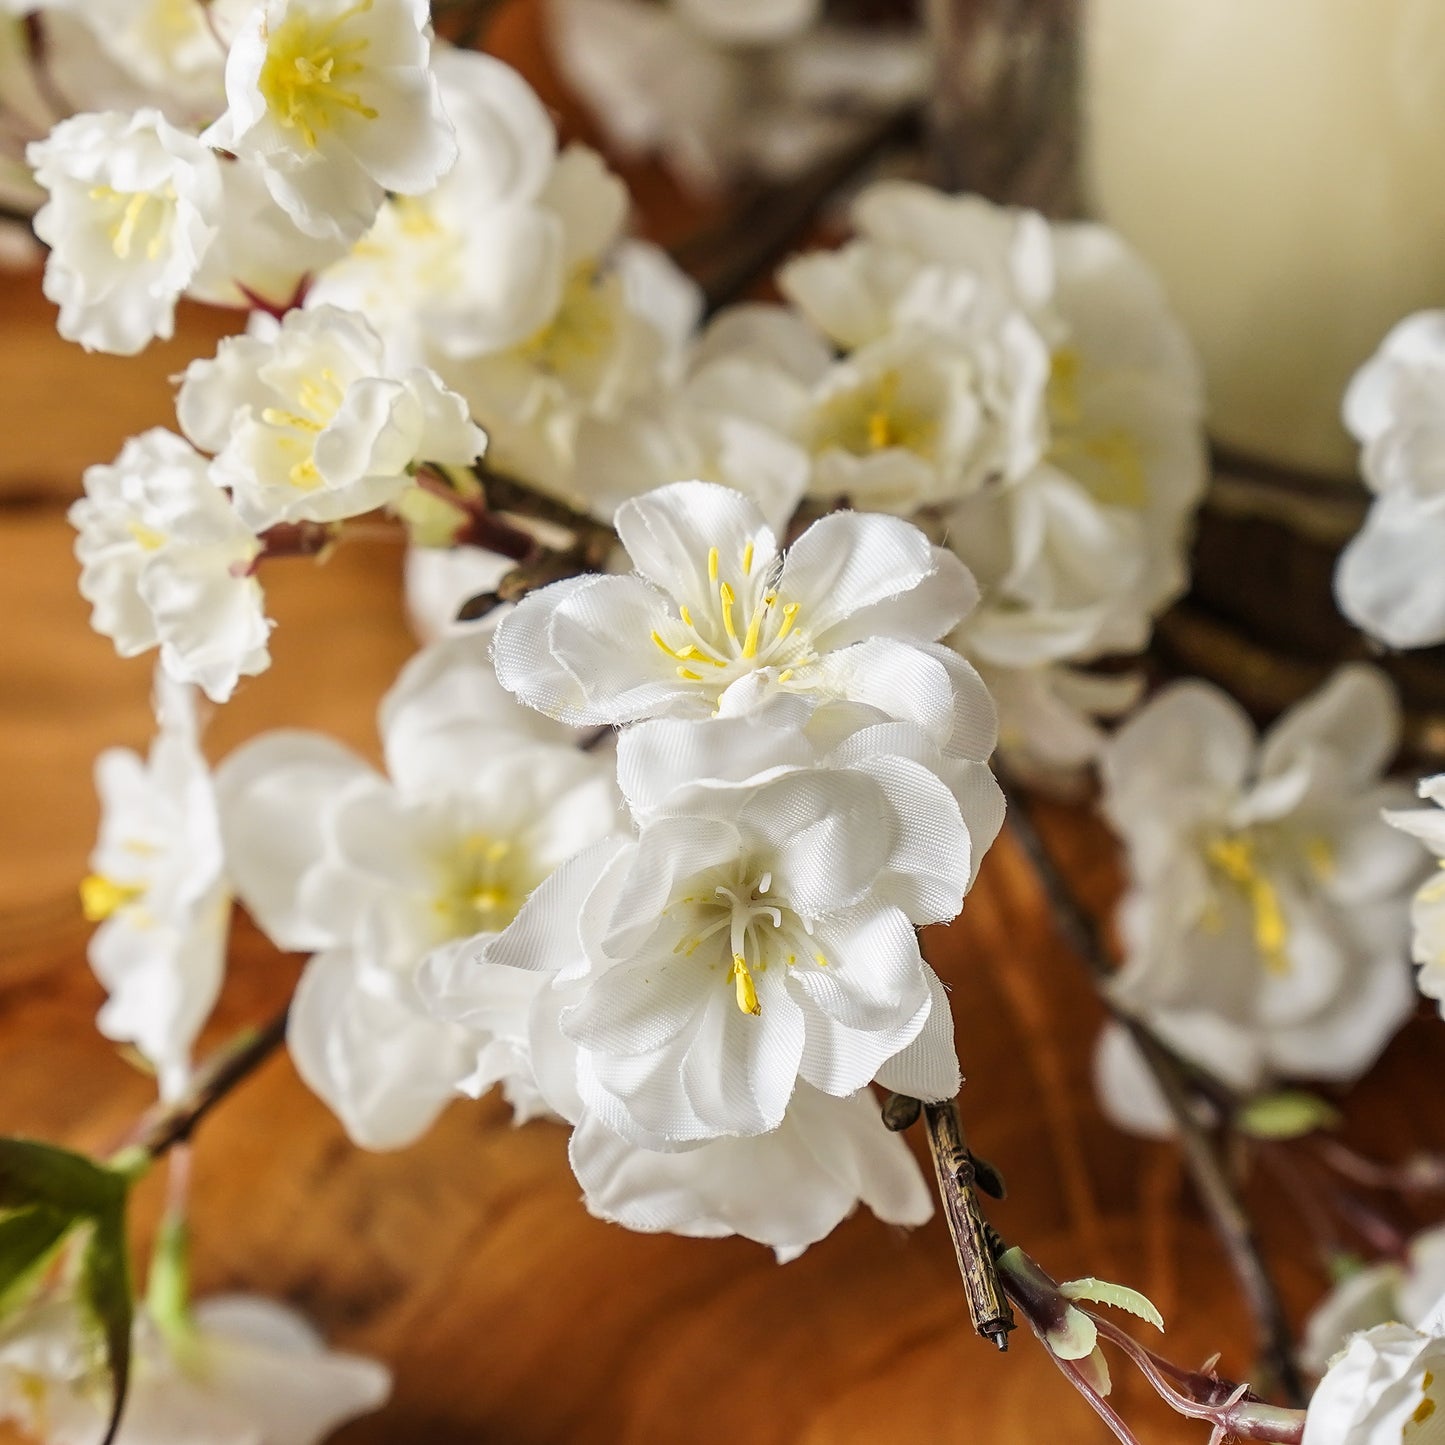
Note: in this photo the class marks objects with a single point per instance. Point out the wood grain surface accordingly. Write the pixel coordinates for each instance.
(468, 1262)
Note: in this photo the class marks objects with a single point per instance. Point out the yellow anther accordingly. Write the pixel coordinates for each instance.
(747, 994)
(821, 960)
(880, 431)
(785, 675)
(304, 475)
(101, 896)
(712, 564)
(689, 674)
(747, 559)
(1235, 859)
(147, 537)
(728, 597)
(658, 638)
(790, 616)
(685, 614)
(490, 899)
(274, 416)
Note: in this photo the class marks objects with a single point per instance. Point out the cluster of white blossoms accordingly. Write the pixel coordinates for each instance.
(700, 953)
(1265, 924)
(263, 141)
(720, 89)
(1388, 581)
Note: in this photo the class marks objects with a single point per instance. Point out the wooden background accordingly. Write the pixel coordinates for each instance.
(468, 1263)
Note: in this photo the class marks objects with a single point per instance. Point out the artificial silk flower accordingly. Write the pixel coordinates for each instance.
(246, 1372)
(1387, 582)
(131, 212)
(1403, 1290)
(158, 890)
(479, 263)
(335, 101)
(717, 618)
(1384, 1389)
(165, 560)
(372, 873)
(756, 925)
(307, 422)
(1427, 910)
(1265, 889)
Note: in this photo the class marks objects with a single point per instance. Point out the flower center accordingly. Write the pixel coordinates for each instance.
(758, 933)
(582, 332)
(1108, 461)
(483, 883)
(1235, 857)
(316, 401)
(741, 624)
(306, 69)
(137, 219)
(872, 418)
(101, 896)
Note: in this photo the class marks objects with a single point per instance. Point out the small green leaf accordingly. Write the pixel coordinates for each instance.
(1288, 1114)
(28, 1237)
(105, 1287)
(34, 1173)
(168, 1287)
(1120, 1296)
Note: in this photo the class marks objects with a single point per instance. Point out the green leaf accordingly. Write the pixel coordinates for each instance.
(1120, 1296)
(34, 1173)
(1288, 1114)
(28, 1237)
(105, 1286)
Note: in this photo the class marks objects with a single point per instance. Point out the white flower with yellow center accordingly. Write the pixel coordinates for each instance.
(717, 619)
(166, 561)
(245, 1371)
(1388, 581)
(757, 927)
(307, 423)
(372, 873)
(1427, 911)
(1386, 1388)
(1266, 892)
(785, 1189)
(336, 102)
(132, 210)
(157, 889)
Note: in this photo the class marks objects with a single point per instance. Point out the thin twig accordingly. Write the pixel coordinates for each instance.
(1177, 1082)
(958, 1180)
(172, 1124)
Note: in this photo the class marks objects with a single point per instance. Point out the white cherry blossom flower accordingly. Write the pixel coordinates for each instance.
(372, 873)
(716, 618)
(166, 561)
(757, 927)
(307, 423)
(1266, 892)
(1404, 1290)
(1385, 1389)
(249, 1372)
(336, 102)
(132, 209)
(1387, 581)
(1427, 911)
(157, 887)
(785, 1189)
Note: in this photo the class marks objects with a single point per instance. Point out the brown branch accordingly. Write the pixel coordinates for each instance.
(1180, 1083)
(170, 1124)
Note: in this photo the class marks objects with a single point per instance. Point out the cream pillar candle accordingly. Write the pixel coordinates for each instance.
(1280, 164)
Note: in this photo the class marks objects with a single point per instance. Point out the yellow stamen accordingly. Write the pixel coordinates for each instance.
(1235, 858)
(148, 538)
(689, 674)
(274, 416)
(101, 896)
(728, 598)
(785, 675)
(747, 559)
(790, 616)
(747, 995)
(755, 626)
(712, 564)
(685, 614)
(880, 431)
